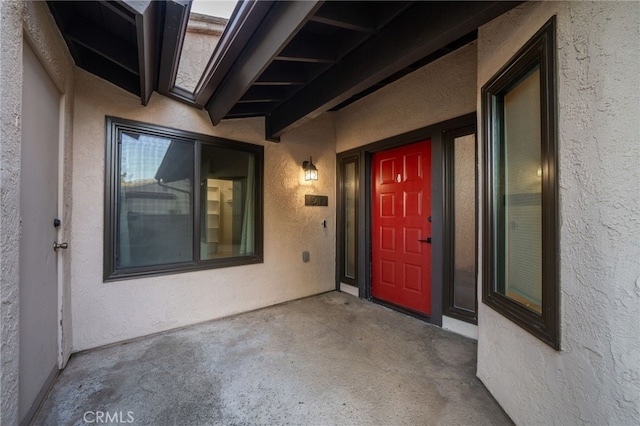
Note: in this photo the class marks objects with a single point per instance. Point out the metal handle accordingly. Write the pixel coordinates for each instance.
(57, 245)
(428, 240)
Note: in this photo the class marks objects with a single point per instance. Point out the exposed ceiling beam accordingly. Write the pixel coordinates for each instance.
(241, 28)
(114, 50)
(281, 24)
(147, 35)
(243, 110)
(308, 48)
(421, 30)
(355, 16)
(133, 6)
(286, 73)
(266, 94)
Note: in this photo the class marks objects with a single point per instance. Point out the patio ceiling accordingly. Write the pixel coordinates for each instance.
(283, 60)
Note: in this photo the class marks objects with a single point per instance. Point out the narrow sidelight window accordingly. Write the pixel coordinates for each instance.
(520, 205)
(348, 219)
(177, 201)
(460, 243)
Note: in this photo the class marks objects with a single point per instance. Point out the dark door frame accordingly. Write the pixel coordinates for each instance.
(436, 133)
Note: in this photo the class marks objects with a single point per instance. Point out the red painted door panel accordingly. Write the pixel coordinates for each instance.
(401, 208)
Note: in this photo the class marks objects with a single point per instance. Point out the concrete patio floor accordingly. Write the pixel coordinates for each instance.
(330, 359)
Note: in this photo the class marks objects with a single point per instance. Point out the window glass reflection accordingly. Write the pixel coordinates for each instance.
(228, 185)
(155, 202)
(464, 260)
(350, 219)
(520, 198)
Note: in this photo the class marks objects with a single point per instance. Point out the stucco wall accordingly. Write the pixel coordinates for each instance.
(109, 312)
(20, 20)
(441, 90)
(595, 378)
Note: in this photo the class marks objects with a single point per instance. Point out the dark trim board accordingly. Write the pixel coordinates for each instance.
(273, 34)
(419, 31)
(436, 133)
(286, 61)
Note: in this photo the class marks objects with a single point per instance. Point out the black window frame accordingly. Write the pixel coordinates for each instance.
(114, 128)
(449, 307)
(538, 51)
(341, 220)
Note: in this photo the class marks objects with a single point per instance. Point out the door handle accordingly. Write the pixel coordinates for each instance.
(57, 245)
(428, 240)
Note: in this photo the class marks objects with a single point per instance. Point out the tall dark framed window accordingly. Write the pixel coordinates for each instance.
(460, 223)
(520, 251)
(178, 201)
(348, 189)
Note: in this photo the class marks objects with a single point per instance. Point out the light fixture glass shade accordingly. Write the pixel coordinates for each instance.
(310, 170)
(311, 174)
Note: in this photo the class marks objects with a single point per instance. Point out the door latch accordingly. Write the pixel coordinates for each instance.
(428, 240)
(57, 245)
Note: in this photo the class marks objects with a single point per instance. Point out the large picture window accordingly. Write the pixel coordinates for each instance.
(520, 205)
(177, 201)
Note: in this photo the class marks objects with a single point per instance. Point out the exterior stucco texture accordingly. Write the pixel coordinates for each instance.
(439, 91)
(20, 23)
(595, 377)
(114, 311)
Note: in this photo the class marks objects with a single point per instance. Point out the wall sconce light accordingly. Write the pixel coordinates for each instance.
(310, 170)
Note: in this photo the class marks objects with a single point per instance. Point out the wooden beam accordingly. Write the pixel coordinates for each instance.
(281, 24)
(116, 7)
(240, 28)
(148, 41)
(308, 48)
(116, 51)
(421, 30)
(145, 16)
(351, 15)
(249, 110)
(285, 74)
(266, 94)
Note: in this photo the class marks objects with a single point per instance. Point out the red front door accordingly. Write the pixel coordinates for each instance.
(401, 256)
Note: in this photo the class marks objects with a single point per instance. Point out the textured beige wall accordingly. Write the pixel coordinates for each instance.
(109, 312)
(595, 378)
(29, 22)
(439, 91)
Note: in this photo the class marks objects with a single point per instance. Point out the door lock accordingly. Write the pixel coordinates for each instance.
(57, 245)
(428, 240)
